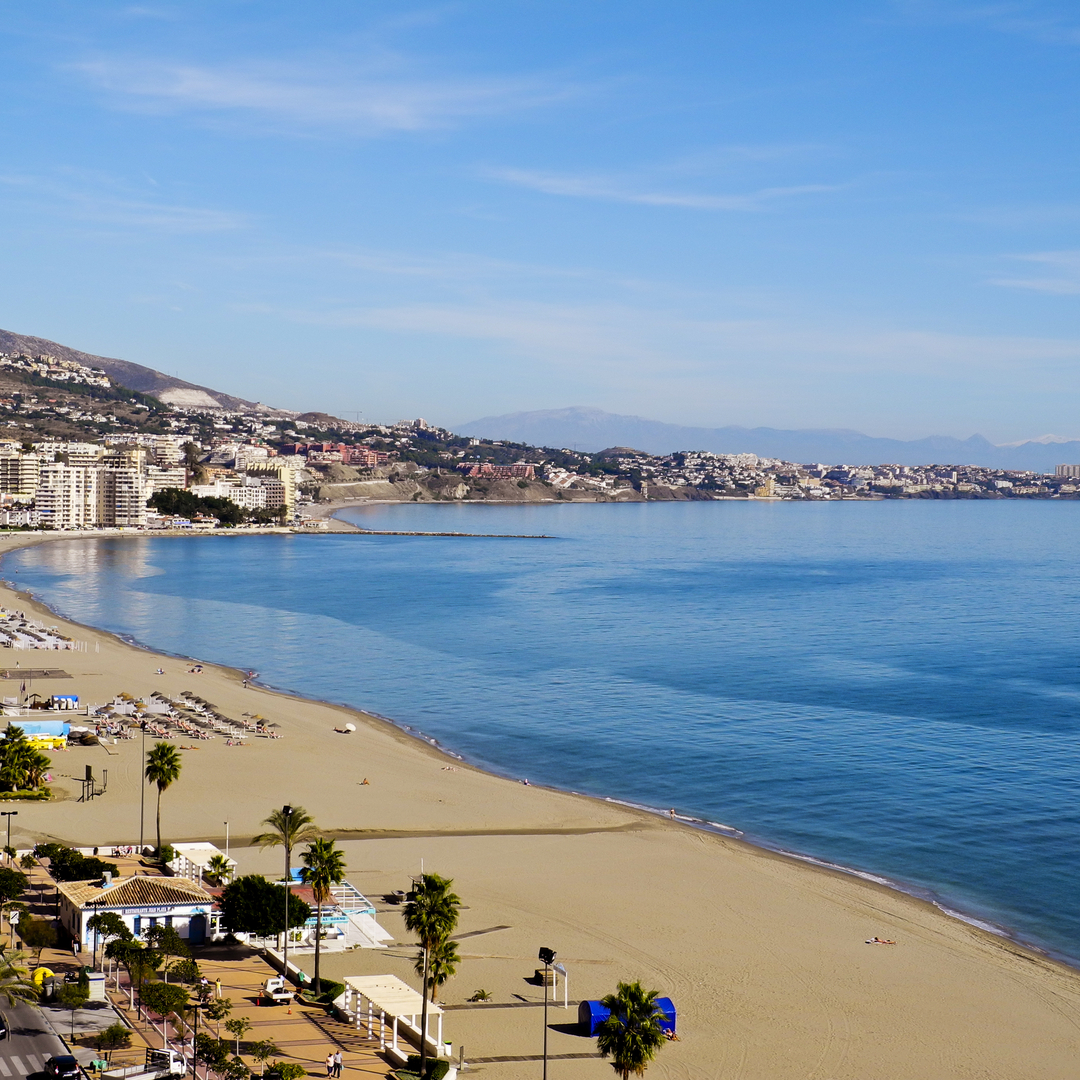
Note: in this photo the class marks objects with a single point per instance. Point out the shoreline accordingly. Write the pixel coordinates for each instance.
(588, 813)
(915, 891)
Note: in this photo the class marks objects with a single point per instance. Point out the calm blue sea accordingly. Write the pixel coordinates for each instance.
(889, 686)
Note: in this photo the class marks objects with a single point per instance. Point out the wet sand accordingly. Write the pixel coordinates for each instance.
(764, 956)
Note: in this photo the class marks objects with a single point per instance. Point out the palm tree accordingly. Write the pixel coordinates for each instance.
(631, 1034)
(219, 869)
(287, 829)
(324, 867)
(163, 769)
(442, 965)
(431, 913)
(14, 984)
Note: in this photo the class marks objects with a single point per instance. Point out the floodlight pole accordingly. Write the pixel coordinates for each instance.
(142, 790)
(226, 840)
(548, 956)
(286, 814)
(9, 814)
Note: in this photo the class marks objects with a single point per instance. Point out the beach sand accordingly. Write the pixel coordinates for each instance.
(764, 956)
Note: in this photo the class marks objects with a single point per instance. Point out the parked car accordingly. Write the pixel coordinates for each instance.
(62, 1067)
(3, 1026)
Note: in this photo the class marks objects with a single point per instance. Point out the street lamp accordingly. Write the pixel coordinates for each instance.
(286, 814)
(142, 789)
(226, 839)
(548, 958)
(9, 814)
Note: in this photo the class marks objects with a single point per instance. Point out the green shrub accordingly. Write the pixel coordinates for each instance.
(437, 1068)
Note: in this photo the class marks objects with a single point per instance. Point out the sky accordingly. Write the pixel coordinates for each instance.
(839, 214)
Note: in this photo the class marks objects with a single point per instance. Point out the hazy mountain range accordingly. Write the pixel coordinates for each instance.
(594, 429)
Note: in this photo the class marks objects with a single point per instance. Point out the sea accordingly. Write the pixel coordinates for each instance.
(888, 687)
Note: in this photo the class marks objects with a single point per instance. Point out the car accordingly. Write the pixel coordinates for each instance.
(63, 1067)
(3, 1026)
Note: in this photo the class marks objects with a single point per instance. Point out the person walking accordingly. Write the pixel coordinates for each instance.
(337, 1063)
(329, 1066)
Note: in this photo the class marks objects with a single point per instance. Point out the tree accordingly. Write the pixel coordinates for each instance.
(442, 964)
(211, 1052)
(253, 905)
(288, 1070)
(238, 1027)
(28, 862)
(72, 996)
(166, 999)
(162, 769)
(22, 765)
(431, 913)
(168, 942)
(107, 925)
(631, 1035)
(324, 867)
(219, 869)
(217, 1009)
(37, 934)
(141, 963)
(14, 984)
(287, 830)
(67, 864)
(262, 1051)
(114, 1037)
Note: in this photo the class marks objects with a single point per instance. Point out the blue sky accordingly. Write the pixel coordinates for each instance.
(858, 214)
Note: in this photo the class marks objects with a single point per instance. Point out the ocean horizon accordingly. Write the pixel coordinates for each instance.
(889, 688)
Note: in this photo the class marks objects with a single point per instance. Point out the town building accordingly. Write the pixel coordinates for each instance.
(142, 902)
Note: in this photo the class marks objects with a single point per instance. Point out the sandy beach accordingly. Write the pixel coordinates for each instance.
(764, 956)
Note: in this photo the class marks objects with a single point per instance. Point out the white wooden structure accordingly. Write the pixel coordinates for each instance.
(384, 1004)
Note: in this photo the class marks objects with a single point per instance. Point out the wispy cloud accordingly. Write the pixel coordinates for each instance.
(619, 339)
(1039, 20)
(1065, 282)
(86, 203)
(310, 95)
(583, 186)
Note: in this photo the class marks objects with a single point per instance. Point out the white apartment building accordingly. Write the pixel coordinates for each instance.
(19, 473)
(123, 494)
(158, 478)
(245, 496)
(69, 496)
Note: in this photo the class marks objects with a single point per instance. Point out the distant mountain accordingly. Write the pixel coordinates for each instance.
(592, 430)
(146, 380)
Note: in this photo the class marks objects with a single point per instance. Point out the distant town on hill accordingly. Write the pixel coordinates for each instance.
(85, 449)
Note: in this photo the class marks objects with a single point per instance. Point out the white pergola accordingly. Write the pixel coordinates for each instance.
(386, 1001)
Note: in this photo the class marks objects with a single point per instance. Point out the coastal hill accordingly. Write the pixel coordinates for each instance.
(166, 388)
(591, 430)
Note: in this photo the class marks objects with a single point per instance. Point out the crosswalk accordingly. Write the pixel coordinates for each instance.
(21, 1066)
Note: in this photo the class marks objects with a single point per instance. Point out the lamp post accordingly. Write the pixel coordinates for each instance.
(142, 789)
(9, 814)
(286, 814)
(548, 957)
(226, 839)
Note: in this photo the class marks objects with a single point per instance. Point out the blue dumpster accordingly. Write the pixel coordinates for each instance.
(591, 1014)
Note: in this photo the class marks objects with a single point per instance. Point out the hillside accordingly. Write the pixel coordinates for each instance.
(165, 388)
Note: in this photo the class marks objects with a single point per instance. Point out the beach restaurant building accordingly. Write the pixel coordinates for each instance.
(142, 902)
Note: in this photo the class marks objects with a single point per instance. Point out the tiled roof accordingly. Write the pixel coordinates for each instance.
(135, 892)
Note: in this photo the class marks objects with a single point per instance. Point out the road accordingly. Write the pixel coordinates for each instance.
(24, 1052)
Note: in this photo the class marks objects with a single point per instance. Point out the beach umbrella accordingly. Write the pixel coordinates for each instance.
(272, 724)
(348, 727)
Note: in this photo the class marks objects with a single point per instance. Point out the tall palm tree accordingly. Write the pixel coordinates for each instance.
(431, 913)
(324, 867)
(286, 830)
(220, 869)
(631, 1035)
(14, 984)
(442, 964)
(163, 769)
